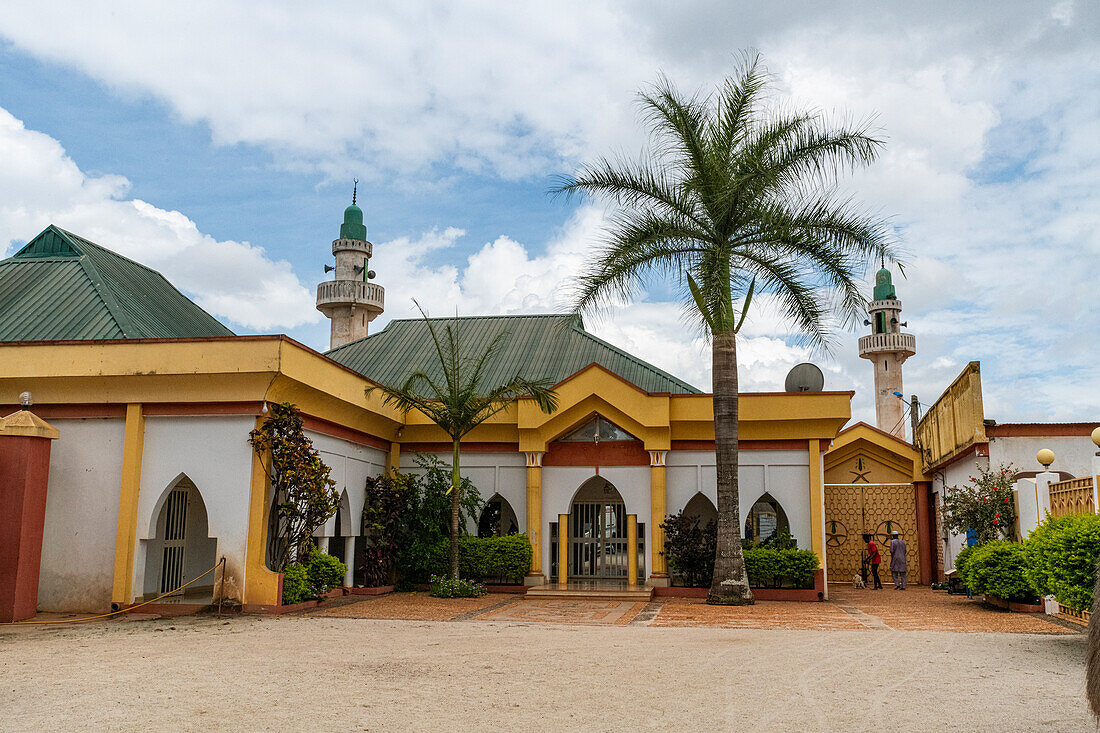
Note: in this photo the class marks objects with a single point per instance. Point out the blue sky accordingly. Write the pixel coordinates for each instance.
(217, 143)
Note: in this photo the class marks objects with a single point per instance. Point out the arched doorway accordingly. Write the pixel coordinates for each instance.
(181, 549)
(598, 532)
(702, 508)
(766, 521)
(497, 519)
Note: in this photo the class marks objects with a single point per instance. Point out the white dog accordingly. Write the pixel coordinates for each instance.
(857, 581)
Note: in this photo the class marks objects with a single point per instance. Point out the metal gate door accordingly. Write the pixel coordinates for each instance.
(597, 540)
(875, 509)
(175, 528)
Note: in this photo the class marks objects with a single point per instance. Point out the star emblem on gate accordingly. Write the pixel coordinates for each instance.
(837, 534)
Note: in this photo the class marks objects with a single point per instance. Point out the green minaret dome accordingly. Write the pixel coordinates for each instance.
(884, 286)
(353, 228)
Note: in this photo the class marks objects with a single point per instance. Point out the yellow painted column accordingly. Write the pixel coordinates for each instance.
(632, 549)
(133, 447)
(534, 511)
(563, 549)
(261, 585)
(658, 509)
(817, 505)
(394, 462)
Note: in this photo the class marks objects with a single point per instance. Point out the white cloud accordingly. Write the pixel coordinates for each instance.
(992, 169)
(236, 281)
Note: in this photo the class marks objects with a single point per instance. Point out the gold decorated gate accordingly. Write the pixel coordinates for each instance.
(877, 509)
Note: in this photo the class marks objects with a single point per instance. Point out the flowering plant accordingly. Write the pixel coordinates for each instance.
(985, 504)
(448, 587)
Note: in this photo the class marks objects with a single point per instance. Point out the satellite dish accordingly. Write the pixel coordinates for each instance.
(804, 377)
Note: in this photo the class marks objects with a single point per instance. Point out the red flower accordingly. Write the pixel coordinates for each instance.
(998, 516)
(996, 521)
(1006, 500)
(984, 500)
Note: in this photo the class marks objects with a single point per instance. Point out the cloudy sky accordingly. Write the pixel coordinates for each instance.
(217, 142)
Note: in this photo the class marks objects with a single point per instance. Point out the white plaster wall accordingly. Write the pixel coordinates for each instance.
(490, 473)
(560, 485)
(213, 451)
(351, 464)
(1072, 454)
(785, 474)
(78, 544)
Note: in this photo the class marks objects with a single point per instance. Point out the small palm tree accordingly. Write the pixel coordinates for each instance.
(732, 199)
(460, 402)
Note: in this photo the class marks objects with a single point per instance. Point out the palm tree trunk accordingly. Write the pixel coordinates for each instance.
(730, 585)
(456, 503)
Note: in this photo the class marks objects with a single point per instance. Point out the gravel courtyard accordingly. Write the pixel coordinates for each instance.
(324, 672)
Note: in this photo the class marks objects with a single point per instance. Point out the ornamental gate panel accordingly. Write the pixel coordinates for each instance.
(876, 509)
(597, 540)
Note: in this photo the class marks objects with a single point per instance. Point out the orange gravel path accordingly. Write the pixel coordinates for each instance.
(761, 615)
(414, 606)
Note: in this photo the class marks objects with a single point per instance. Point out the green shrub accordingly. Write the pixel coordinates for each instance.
(689, 548)
(962, 561)
(769, 567)
(295, 585)
(1062, 554)
(998, 568)
(502, 559)
(445, 587)
(313, 579)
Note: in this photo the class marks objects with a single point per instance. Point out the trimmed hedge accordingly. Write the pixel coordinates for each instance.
(1062, 554)
(504, 559)
(313, 578)
(770, 568)
(999, 568)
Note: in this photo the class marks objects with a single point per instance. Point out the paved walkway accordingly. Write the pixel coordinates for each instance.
(915, 609)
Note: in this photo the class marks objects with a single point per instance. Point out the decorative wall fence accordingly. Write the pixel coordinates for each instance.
(1072, 496)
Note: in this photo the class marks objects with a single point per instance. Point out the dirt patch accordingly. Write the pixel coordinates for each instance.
(567, 611)
(413, 606)
(761, 615)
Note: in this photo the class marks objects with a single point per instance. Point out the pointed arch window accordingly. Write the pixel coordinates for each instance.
(597, 428)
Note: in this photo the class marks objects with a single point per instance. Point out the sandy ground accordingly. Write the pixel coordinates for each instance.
(367, 674)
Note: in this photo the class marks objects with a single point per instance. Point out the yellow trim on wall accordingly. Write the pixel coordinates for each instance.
(632, 549)
(563, 549)
(534, 516)
(261, 585)
(133, 446)
(658, 508)
(817, 503)
(393, 462)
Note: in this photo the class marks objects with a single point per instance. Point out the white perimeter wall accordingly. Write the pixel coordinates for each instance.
(785, 474)
(213, 451)
(1072, 454)
(351, 464)
(78, 544)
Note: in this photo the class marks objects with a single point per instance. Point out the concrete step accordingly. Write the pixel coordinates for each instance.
(591, 592)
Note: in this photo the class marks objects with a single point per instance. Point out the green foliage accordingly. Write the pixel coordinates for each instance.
(770, 567)
(999, 568)
(385, 522)
(447, 587)
(426, 518)
(305, 494)
(984, 505)
(781, 540)
(689, 548)
(962, 561)
(501, 559)
(461, 400)
(312, 579)
(1062, 554)
(296, 586)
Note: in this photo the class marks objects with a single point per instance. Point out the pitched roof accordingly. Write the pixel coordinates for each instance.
(536, 347)
(62, 287)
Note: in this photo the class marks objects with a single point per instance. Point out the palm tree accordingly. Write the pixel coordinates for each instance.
(734, 197)
(460, 402)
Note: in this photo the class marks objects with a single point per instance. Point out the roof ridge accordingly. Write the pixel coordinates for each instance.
(82, 240)
(636, 360)
(95, 277)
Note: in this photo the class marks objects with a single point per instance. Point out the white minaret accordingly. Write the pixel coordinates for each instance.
(887, 348)
(349, 300)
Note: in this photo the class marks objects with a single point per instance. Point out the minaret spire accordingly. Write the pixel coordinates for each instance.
(354, 189)
(887, 348)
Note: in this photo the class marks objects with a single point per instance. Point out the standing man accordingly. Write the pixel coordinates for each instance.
(874, 559)
(898, 567)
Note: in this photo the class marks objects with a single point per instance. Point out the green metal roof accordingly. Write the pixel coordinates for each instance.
(62, 287)
(536, 347)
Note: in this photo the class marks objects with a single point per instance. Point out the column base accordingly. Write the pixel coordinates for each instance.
(658, 581)
(534, 579)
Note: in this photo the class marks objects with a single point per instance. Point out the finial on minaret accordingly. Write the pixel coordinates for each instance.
(355, 189)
